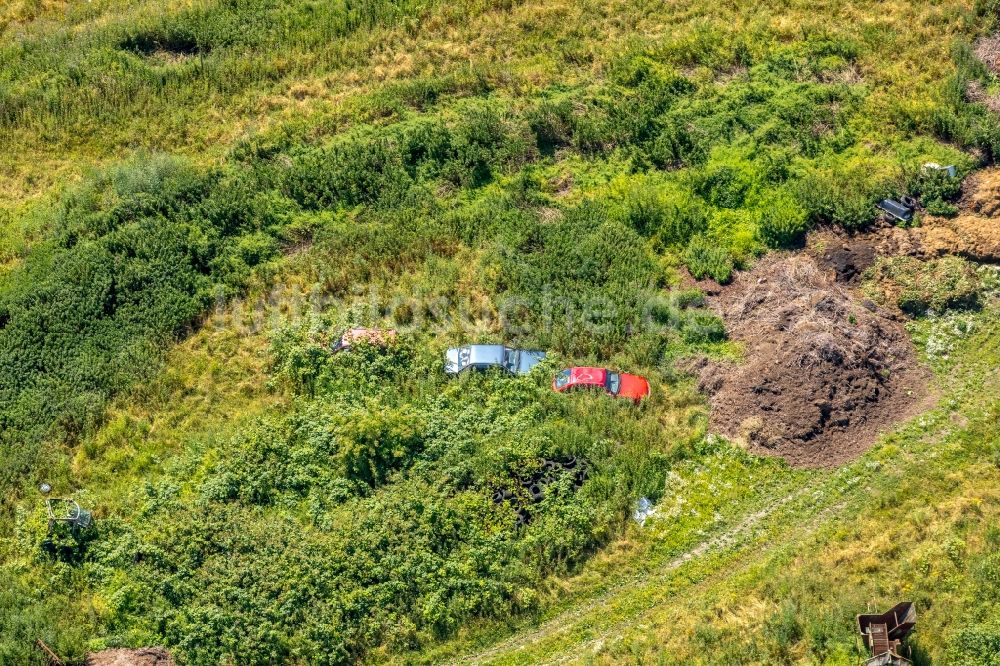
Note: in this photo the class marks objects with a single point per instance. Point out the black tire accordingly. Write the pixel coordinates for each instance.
(522, 518)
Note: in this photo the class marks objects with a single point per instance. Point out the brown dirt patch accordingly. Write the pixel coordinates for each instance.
(988, 51)
(824, 373)
(844, 256)
(123, 657)
(975, 232)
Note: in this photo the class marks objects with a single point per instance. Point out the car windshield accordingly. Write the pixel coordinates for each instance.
(562, 379)
(614, 382)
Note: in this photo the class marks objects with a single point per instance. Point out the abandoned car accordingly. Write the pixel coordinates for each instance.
(617, 384)
(483, 357)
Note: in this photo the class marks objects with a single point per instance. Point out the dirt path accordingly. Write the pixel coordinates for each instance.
(594, 644)
(566, 620)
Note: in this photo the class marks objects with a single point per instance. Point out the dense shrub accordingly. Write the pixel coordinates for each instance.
(976, 644)
(678, 144)
(669, 217)
(706, 258)
(846, 199)
(551, 121)
(783, 222)
(396, 543)
(138, 255)
(724, 186)
(361, 170)
(936, 190)
(486, 138)
(581, 278)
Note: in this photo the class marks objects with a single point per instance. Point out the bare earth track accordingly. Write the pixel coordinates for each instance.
(567, 620)
(124, 657)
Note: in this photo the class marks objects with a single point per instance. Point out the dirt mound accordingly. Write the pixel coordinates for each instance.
(123, 657)
(988, 51)
(975, 232)
(824, 374)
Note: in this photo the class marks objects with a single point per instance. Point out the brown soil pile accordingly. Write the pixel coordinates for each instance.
(988, 51)
(122, 657)
(824, 374)
(975, 232)
(845, 256)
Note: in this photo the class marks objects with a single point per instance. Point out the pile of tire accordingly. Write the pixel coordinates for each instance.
(549, 470)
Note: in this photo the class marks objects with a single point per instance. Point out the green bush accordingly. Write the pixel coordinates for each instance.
(936, 190)
(705, 258)
(486, 138)
(701, 327)
(988, 9)
(724, 186)
(139, 254)
(846, 199)
(551, 121)
(677, 145)
(783, 222)
(976, 645)
(354, 171)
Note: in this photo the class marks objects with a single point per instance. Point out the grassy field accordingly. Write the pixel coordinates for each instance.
(196, 195)
(781, 580)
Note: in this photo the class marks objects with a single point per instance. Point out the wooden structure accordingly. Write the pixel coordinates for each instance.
(883, 634)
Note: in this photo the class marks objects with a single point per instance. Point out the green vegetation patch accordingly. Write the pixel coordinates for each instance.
(921, 287)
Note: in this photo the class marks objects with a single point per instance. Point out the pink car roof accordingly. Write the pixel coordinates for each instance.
(586, 375)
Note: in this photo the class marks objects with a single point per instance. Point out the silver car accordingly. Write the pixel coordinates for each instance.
(484, 357)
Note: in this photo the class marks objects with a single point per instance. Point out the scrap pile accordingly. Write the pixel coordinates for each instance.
(533, 488)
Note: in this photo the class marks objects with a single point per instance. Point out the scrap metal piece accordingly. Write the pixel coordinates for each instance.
(896, 210)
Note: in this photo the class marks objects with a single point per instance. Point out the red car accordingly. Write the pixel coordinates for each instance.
(617, 384)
